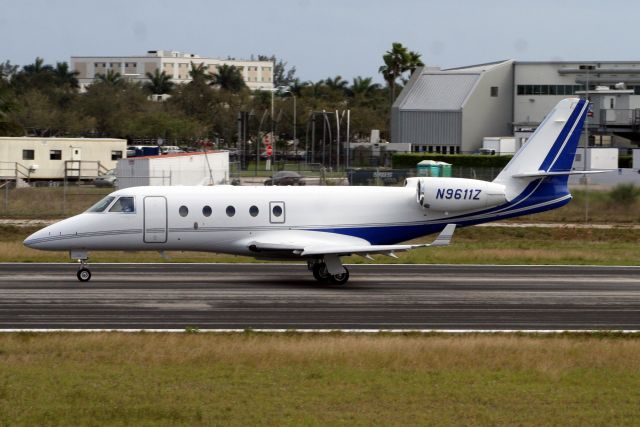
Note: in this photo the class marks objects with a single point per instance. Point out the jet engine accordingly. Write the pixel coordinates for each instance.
(457, 194)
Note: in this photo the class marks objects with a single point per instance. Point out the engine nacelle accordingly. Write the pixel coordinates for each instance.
(457, 194)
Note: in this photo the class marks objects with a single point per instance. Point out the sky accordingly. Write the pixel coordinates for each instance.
(323, 38)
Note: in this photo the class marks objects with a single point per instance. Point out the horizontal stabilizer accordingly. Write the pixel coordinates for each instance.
(541, 174)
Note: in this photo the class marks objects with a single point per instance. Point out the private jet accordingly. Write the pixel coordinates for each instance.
(320, 225)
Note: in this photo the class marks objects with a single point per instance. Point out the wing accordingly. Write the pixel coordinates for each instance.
(312, 243)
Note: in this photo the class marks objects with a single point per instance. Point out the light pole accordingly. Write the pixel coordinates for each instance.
(586, 68)
(295, 113)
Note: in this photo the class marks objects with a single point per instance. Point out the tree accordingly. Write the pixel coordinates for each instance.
(362, 87)
(112, 78)
(228, 78)
(199, 74)
(159, 83)
(7, 70)
(397, 61)
(34, 76)
(414, 61)
(65, 78)
(336, 83)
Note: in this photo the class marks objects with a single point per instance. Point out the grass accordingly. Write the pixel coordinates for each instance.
(293, 379)
(474, 245)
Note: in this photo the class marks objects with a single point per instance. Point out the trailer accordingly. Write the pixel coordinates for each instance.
(37, 158)
(197, 168)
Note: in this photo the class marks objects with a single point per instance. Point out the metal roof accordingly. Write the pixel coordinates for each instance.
(439, 91)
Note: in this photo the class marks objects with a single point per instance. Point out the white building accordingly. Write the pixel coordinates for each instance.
(57, 158)
(257, 74)
(210, 168)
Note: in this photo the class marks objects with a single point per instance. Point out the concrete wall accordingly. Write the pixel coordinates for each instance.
(484, 115)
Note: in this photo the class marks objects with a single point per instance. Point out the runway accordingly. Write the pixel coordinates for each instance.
(285, 296)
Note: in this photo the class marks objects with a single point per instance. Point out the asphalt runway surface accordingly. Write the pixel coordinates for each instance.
(285, 296)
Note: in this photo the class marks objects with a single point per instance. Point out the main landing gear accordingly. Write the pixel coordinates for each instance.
(330, 270)
(84, 274)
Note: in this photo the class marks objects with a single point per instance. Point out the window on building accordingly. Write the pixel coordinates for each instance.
(116, 155)
(28, 154)
(55, 155)
(494, 91)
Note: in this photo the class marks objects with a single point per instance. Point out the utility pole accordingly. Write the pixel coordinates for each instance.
(586, 68)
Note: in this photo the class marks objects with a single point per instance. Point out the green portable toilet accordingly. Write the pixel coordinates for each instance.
(428, 168)
(445, 169)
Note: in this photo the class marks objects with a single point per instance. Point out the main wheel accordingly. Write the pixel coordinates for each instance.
(340, 279)
(320, 272)
(84, 275)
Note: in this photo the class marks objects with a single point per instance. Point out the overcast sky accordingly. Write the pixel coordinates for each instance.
(323, 38)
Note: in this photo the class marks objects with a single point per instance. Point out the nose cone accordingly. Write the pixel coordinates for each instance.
(37, 239)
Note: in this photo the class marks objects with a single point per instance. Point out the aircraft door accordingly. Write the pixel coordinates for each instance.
(155, 219)
(277, 212)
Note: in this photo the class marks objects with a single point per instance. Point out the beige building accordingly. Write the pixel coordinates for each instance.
(55, 158)
(257, 74)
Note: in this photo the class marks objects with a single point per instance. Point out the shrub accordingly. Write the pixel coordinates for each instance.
(624, 193)
(410, 161)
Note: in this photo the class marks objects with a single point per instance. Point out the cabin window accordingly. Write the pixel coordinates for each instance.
(183, 211)
(55, 155)
(207, 211)
(254, 211)
(101, 205)
(277, 210)
(116, 155)
(231, 211)
(28, 154)
(123, 205)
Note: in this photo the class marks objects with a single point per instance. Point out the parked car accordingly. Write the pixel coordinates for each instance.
(285, 178)
(108, 179)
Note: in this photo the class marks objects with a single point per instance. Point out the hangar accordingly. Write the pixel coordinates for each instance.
(452, 110)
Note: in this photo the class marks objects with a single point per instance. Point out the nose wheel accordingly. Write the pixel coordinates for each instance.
(84, 275)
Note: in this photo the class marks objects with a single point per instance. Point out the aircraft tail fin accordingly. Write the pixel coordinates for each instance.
(551, 149)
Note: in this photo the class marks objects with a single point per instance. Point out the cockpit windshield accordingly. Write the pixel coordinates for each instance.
(123, 204)
(101, 205)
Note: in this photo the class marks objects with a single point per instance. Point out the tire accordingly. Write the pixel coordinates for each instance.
(320, 272)
(340, 279)
(84, 275)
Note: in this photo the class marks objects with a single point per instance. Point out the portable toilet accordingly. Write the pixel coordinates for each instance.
(445, 169)
(428, 168)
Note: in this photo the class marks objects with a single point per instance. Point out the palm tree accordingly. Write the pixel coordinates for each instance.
(159, 83)
(199, 74)
(337, 83)
(112, 78)
(414, 61)
(362, 87)
(396, 62)
(64, 77)
(37, 67)
(228, 78)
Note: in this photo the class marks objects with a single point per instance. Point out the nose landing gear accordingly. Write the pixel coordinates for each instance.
(84, 275)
